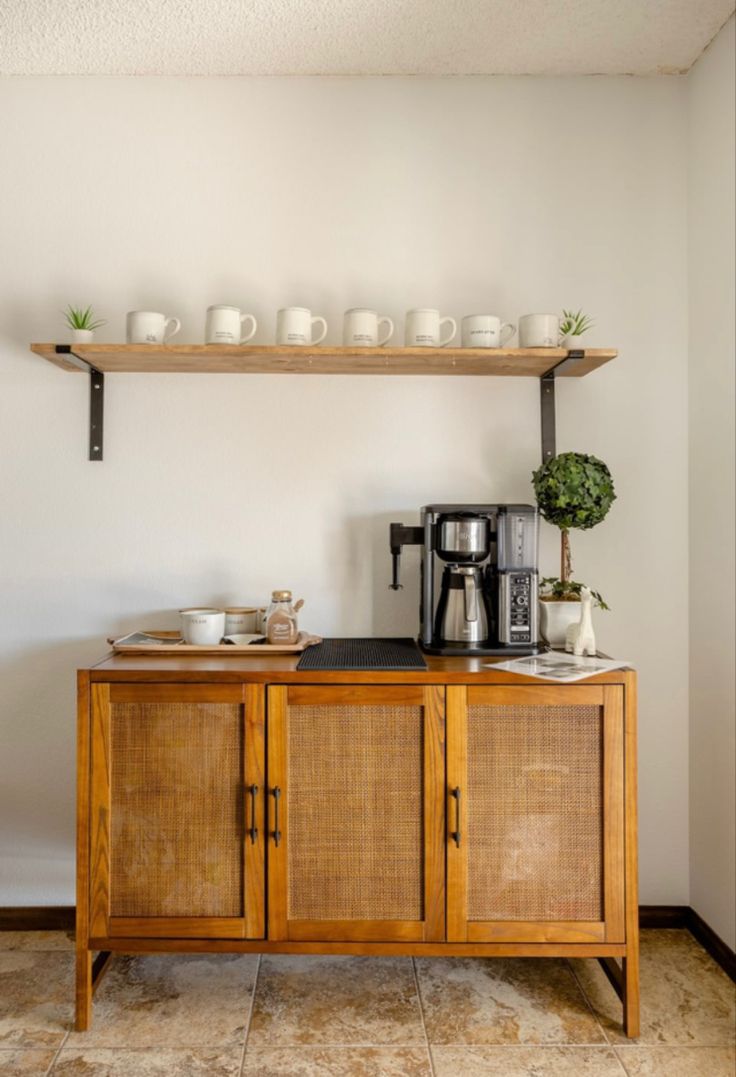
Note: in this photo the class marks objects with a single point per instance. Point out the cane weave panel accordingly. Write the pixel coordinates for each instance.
(535, 834)
(355, 848)
(177, 809)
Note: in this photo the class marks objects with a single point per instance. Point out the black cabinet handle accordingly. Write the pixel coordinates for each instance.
(276, 794)
(253, 829)
(455, 834)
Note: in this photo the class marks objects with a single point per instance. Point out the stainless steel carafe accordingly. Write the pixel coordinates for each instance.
(461, 612)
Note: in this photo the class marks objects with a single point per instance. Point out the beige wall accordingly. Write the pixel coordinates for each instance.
(466, 194)
(712, 185)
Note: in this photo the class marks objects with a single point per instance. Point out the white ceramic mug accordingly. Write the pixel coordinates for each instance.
(240, 620)
(486, 331)
(360, 328)
(423, 327)
(294, 326)
(202, 626)
(224, 325)
(539, 331)
(149, 327)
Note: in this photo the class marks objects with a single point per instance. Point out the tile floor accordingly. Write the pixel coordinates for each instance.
(231, 1016)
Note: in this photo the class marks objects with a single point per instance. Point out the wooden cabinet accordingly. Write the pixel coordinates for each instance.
(172, 850)
(536, 834)
(356, 791)
(228, 805)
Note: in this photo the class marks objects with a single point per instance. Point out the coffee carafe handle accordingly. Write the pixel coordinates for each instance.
(471, 599)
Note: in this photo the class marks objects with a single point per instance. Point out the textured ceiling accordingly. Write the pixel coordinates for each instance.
(355, 37)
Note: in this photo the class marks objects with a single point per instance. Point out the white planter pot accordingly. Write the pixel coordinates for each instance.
(82, 336)
(572, 343)
(554, 620)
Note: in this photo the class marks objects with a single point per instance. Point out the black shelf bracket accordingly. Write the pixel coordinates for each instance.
(96, 399)
(547, 403)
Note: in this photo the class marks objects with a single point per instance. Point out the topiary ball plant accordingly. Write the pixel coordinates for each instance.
(573, 490)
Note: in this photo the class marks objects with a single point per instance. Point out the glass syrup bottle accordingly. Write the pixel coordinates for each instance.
(281, 619)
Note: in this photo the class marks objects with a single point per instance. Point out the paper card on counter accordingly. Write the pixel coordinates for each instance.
(558, 666)
(143, 639)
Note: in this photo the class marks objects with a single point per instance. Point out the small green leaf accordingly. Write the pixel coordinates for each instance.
(77, 318)
(558, 590)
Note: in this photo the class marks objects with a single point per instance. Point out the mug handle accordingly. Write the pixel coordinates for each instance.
(324, 330)
(453, 323)
(507, 331)
(168, 335)
(244, 338)
(390, 324)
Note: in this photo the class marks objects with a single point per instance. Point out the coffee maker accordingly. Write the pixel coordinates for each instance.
(480, 561)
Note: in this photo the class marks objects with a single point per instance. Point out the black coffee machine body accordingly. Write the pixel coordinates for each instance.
(479, 581)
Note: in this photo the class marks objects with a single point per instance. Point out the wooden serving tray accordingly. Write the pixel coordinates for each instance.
(304, 640)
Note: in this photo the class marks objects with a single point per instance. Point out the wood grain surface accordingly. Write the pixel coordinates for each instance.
(268, 688)
(276, 359)
(282, 669)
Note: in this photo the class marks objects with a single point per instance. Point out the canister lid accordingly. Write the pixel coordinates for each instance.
(281, 596)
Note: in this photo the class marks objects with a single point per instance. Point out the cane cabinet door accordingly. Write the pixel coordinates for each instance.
(177, 798)
(355, 813)
(535, 790)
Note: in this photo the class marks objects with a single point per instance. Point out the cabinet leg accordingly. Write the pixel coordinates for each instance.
(631, 992)
(84, 990)
(89, 974)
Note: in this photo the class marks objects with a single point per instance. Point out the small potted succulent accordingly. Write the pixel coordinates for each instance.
(82, 324)
(572, 326)
(572, 490)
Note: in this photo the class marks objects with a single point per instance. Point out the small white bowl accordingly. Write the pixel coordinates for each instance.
(202, 626)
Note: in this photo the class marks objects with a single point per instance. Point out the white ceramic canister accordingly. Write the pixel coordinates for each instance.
(202, 626)
(240, 620)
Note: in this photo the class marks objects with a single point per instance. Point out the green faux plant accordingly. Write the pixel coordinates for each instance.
(556, 590)
(573, 490)
(574, 323)
(79, 318)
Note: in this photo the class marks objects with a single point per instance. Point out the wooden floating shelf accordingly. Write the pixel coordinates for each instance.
(275, 359)
(544, 364)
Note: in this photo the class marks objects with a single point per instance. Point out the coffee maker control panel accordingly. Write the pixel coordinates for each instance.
(520, 620)
(518, 607)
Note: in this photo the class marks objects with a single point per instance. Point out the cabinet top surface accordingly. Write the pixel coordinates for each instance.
(268, 669)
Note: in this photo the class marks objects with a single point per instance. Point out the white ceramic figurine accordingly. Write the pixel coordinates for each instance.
(581, 637)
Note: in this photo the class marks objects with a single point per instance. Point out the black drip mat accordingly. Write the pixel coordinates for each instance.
(363, 654)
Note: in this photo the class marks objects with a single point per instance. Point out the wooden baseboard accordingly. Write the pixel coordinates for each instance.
(714, 944)
(663, 915)
(37, 918)
(61, 918)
